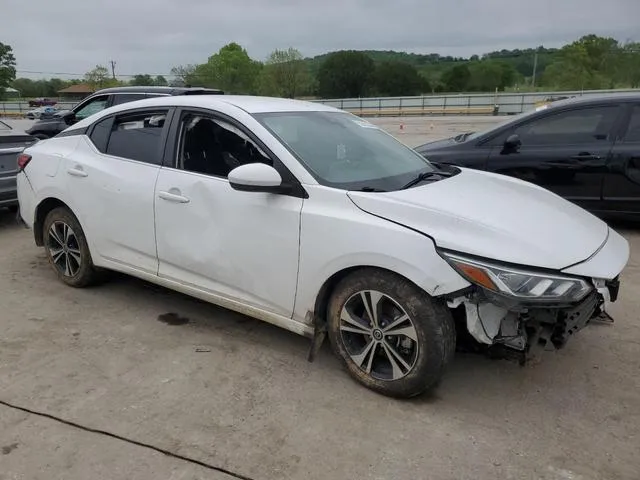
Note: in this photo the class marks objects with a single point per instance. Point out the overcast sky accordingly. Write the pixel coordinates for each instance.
(151, 36)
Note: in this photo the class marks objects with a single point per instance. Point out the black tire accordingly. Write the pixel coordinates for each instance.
(85, 273)
(434, 330)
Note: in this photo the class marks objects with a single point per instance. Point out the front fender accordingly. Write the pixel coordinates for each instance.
(339, 236)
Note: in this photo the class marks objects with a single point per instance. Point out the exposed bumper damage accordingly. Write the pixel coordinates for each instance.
(519, 330)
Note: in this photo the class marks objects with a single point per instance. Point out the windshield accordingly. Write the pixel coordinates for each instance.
(341, 150)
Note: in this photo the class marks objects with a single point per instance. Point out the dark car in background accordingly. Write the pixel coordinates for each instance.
(42, 102)
(108, 97)
(12, 142)
(585, 149)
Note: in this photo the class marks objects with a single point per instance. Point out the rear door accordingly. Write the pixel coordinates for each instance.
(111, 178)
(621, 192)
(565, 152)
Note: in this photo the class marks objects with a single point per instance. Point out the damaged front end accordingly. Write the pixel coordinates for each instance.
(515, 313)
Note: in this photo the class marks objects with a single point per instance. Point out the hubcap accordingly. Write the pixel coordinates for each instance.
(378, 335)
(64, 249)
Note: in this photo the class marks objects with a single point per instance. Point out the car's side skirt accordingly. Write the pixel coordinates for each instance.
(231, 304)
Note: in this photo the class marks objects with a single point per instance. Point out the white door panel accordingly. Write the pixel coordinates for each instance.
(241, 245)
(114, 201)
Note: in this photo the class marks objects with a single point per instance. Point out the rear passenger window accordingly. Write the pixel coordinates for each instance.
(100, 134)
(137, 136)
(633, 130)
(119, 98)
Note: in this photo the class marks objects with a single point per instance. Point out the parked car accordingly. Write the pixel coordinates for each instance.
(584, 149)
(41, 112)
(42, 102)
(314, 220)
(105, 98)
(12, 142)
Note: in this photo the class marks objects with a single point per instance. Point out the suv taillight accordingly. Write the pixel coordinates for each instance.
(23, 160)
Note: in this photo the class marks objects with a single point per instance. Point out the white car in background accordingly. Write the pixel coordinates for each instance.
(314, 220)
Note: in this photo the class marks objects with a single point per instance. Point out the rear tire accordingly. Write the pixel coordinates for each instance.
(404, 349)
(67, 248)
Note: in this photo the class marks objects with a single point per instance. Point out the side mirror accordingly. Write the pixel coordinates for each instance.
(256, 177)
(512, 143)
(69, 118)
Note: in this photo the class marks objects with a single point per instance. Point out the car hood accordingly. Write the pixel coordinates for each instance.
(436, 144)
(493, 216)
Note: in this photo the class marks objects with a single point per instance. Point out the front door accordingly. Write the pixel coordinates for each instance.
(565, 152)
(241, 246)
(621, 192)
(111, 178)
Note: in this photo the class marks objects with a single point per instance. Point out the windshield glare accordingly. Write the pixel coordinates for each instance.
(343, 151)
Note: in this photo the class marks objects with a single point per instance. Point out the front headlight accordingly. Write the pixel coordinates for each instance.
(520, 284)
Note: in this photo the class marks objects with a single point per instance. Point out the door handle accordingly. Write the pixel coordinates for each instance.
(173, 197)
(77, 172)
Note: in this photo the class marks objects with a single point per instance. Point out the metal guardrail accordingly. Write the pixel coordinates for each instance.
(450, 104)
(455, 104)
(19, 109)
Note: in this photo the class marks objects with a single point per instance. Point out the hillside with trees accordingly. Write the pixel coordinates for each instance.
(590, 62)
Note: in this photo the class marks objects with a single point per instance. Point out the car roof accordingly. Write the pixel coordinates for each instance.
(597, 98)
(250, 104)
(159, 90)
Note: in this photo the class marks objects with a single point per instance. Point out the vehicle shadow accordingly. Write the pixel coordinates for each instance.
(9, 219)
(470, 376)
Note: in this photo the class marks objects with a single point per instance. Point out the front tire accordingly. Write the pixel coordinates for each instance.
(67, 248)
(392, 337)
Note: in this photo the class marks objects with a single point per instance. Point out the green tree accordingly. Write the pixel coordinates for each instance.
(99, 78)
(395, 78)
(7, 67)
(183, 75)
(587, 63)
(487, 75)
(142, 80)
(231, 69)
(160, 81)
(629, 65)
(456, 78)
(347, 73)
(284, 74)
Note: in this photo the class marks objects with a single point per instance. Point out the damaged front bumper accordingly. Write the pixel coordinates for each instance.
(495, 321)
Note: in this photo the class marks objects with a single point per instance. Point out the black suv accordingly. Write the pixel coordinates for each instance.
(585, 149)
(108, 97)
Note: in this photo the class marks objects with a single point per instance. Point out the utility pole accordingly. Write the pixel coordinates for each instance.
(113, 68)
(535, 69)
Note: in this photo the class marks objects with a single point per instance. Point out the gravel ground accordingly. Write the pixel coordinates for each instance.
(237, 394)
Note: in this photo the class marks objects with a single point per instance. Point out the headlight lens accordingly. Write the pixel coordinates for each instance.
(527, 286)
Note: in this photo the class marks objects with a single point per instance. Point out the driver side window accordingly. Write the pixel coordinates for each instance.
(95, 105)
(214, 147)
(584, 125)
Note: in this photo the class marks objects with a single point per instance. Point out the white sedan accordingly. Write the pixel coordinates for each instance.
(314, 220)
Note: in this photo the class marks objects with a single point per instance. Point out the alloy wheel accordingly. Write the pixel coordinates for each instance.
(64, 249)
(379, 335)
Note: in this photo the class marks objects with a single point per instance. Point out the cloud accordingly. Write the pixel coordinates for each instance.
(151, 36)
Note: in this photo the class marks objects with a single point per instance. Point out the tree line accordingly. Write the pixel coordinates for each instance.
(591, 62)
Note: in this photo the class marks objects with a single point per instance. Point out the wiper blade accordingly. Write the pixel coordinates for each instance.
(426, 176)
(371, 189)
